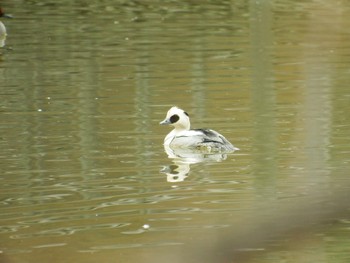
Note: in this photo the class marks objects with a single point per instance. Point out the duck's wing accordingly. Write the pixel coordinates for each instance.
(213, 137)
(208, 135)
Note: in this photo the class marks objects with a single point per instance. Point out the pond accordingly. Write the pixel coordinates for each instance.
(85, 176)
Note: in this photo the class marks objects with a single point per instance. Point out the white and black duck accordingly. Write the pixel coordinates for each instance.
(183, 137)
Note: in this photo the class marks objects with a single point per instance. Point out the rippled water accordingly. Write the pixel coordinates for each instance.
(84, 176)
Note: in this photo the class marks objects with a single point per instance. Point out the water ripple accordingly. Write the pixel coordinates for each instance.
(11, 228)
(144, 200)
(136, 245)
(64, 231)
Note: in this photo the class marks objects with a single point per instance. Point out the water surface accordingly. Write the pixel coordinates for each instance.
(84, 176)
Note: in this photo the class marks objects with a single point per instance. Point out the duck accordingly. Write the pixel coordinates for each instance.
(3, 28)
(183, 137)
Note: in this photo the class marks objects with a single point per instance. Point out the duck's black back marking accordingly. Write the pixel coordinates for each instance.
(207, 132)
(174, 118)
(211, 136)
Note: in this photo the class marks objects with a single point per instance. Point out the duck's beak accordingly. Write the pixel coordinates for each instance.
(165, 122)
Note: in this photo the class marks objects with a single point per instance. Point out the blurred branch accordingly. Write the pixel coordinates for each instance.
(293, 220)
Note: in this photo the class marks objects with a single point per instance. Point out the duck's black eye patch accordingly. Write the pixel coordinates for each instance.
(186, 114)
(174, 118)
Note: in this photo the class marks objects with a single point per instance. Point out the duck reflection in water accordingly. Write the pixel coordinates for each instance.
(183, 159)
(188, 146)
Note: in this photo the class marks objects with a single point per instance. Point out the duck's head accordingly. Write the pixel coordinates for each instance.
(177, 118)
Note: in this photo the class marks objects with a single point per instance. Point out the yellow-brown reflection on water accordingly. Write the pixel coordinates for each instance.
(82, 158)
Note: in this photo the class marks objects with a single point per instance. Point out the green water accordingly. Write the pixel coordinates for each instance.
(84, 176)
